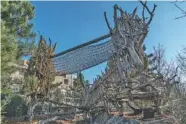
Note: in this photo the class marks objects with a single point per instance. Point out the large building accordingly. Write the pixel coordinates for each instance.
(18, 76)
(64, 89)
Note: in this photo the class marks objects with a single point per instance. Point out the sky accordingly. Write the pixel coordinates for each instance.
(73, 23)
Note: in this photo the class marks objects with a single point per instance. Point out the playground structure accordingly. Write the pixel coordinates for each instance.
(127, 78)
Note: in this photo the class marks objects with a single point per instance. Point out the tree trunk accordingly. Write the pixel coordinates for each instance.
(30, 111)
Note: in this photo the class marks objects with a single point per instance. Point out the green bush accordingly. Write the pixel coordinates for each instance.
(16, 107)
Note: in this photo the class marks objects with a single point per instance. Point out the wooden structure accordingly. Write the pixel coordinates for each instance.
(127, 78)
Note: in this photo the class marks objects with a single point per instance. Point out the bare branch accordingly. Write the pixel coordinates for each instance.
(143, 12)
(180, 17)
(50, 43)
(115, 16)
(54, 47)
(119, 8)
(150, 12)
(108, 25)
(180, 8)
(134, 12)
(174, 1)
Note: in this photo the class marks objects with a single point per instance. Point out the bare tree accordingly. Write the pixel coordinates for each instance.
(174, 89)
(183, 11)
(182, 60)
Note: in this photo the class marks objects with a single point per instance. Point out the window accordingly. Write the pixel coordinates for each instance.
(65, 81)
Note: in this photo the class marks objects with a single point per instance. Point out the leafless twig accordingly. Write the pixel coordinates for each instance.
(115, 16)
(134, 12)
(150, 12)
(108, 25)
(182, 10)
